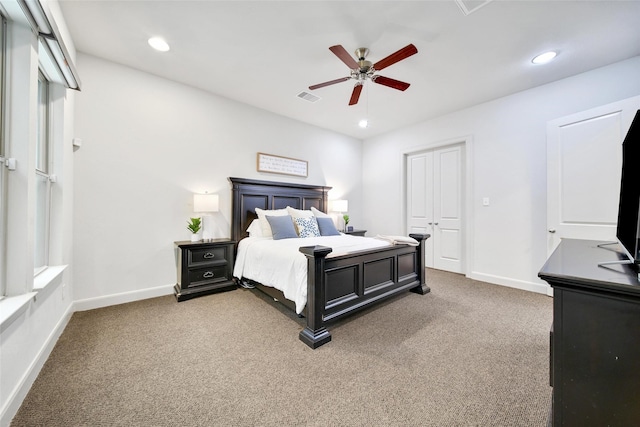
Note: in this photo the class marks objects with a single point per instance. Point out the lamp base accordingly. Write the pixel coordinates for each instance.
(207, 228)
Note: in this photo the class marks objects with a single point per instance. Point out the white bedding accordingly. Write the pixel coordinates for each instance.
(281, 265)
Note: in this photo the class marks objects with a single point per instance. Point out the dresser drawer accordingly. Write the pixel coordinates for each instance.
(208, 275)
(207, 255)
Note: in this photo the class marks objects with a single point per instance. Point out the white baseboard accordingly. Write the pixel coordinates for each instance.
(122, 298)
(539, 288)
(20, 392)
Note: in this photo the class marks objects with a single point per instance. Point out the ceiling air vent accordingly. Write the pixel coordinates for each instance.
(308, 97)
(470, 6)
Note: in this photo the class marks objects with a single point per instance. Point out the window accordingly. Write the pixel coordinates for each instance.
(43, 178)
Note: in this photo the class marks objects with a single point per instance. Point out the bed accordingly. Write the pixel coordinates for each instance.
(337, 284)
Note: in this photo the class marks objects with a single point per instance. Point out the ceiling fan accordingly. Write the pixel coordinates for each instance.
(363, 69)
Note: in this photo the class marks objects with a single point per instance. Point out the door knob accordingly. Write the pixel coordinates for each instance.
(552, 230)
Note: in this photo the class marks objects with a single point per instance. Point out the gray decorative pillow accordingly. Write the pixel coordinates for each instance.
(281, 227)
(307, 227)
(327, 227)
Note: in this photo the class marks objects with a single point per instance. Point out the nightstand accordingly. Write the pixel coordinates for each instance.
(204, 267)
(356, 232)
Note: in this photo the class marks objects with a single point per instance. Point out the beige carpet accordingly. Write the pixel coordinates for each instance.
(467, 354)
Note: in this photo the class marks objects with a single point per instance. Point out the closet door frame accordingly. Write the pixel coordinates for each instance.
(466, 143)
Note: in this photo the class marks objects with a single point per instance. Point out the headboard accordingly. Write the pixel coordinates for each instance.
(249, 194)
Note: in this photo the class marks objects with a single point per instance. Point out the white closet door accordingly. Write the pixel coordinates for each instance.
(434, 204)
(584, 158)
(447, 207)
(420, 199)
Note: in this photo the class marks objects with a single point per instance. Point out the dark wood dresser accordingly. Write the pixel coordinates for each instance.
(204, 267)
(595, 337)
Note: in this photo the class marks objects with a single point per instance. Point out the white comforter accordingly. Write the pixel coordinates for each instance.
(281, 265)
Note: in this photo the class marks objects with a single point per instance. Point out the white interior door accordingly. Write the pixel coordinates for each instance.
(434, 204)
(584, 159)
(420, 199)
(447, 208)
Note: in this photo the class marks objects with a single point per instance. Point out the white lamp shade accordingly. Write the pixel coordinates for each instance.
(340, 206)
(205, 203)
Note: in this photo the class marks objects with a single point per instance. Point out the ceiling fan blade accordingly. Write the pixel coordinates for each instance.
(344, 56)
(392, 83)
(355, 95)
(332, 82)
(403, 53)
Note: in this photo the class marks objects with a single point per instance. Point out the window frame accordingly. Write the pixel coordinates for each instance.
(3, 156)
(3, 85)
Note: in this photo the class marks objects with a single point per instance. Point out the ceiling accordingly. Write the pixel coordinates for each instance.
(264, 53)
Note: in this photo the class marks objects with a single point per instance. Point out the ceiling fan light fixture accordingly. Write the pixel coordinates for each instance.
(159, 44)
(544, 58)
(363, 70)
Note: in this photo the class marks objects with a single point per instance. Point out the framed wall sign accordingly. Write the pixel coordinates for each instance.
(282, 165)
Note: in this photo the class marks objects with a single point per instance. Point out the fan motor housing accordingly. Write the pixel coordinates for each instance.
(365, 66)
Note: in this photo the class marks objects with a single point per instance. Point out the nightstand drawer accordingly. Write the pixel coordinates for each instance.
(202, 276)
(204, 267)
(207, 255)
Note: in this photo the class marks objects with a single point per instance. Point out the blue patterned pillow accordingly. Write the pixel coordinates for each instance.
(307, 227)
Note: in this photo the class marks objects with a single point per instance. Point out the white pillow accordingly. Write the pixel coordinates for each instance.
(319, 213)
(255, 229)
(297, 213)
(262, 217)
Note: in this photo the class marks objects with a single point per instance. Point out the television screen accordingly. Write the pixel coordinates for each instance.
(628, 229)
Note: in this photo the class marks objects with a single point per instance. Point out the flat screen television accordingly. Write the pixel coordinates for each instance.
(628, 228)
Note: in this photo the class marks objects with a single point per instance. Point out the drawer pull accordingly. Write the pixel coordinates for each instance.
(208, 255)
(208, 274)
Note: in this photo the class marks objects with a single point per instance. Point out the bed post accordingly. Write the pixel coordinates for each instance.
(315, 334)
(422, 288)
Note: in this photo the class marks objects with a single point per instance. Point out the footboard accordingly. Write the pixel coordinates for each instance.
(341, 285)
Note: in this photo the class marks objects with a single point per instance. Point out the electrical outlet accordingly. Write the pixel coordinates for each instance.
(485, 201)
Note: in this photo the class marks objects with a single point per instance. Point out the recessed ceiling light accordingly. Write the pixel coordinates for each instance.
(543, 58)
(363, 123)
(158, 43)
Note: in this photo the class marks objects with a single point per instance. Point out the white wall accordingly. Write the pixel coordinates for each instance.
(508, 239)
(148, 145)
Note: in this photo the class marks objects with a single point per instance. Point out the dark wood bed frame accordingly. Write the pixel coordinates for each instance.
(336, 286)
